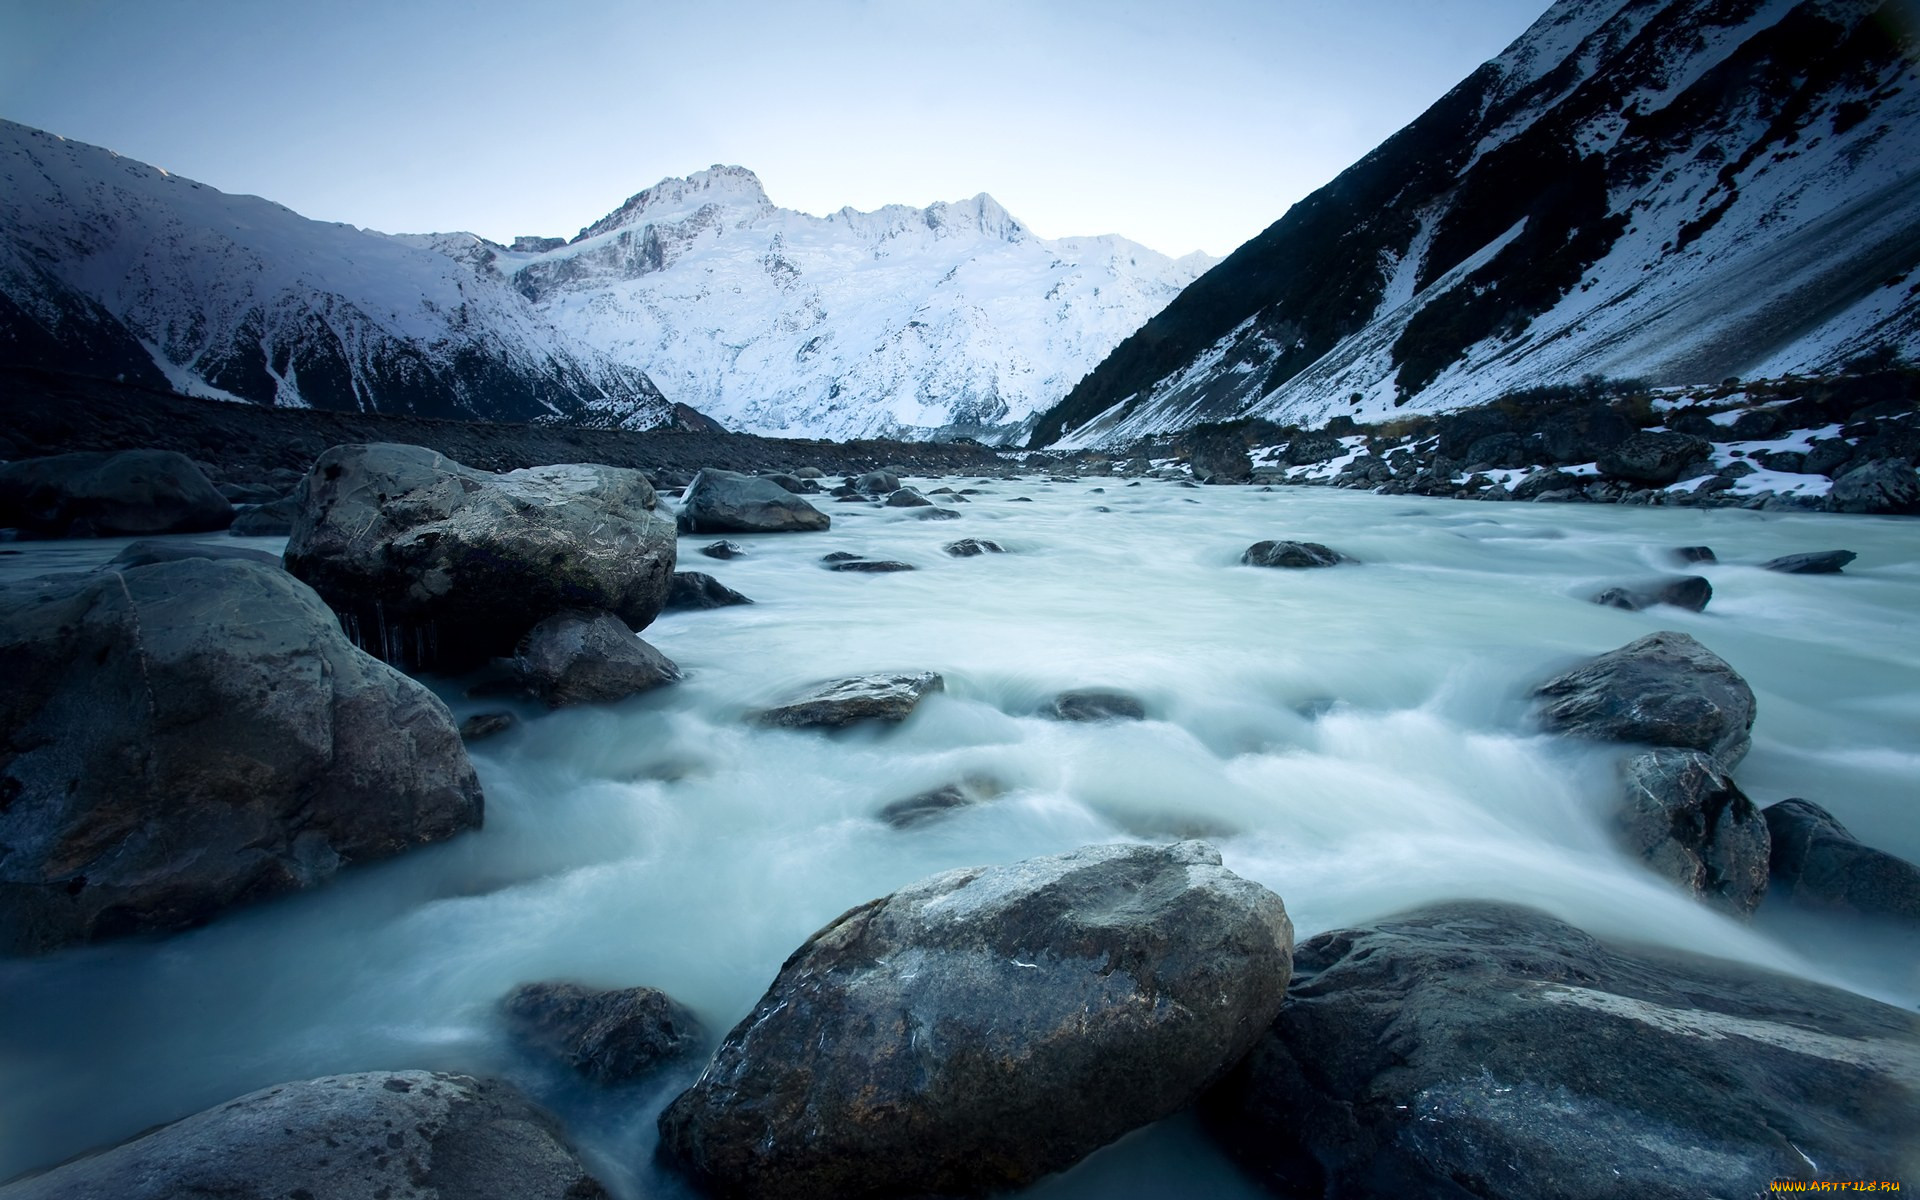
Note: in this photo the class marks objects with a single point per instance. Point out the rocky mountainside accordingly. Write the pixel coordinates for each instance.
(899, 321)
(114, 268)
(1671, 190)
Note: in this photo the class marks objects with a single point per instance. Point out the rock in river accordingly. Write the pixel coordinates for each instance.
(1095, 704)
(1665, 688)
(588, 658)
(610, 1036)
(191, 735)
(340, 1137)
(1690, 592)
(693, 590)
(983, 1027)
(98, 494)
(1292, 554)
(1684, 818)
(1487, 1050)
(973, 547)
(1817, 562)
(1819, 863)
(728, 502)
(887, 697)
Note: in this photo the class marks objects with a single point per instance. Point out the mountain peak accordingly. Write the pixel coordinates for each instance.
(719, 185)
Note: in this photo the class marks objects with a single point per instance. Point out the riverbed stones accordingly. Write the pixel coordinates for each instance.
(1884, 485)
(183, 737)
(696, 590)
(581, 657)
(876, 483)
(131, 493)
(1665, 689)
(986, 1026)
(907, 497)
(1817, 862)
(887, 696)
(1489, 1050)
(379, 1134)
(1095, 704)
(973, 547)
(1815, 562)
(433, 564)
(1292, 554)
(609, 1036)
(1690, 592)
(728, 502)
(1686, 820)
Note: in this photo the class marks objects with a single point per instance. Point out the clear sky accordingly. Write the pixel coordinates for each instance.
(1184, 125)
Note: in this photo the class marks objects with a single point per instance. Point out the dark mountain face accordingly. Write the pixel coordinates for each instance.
(1677, 190)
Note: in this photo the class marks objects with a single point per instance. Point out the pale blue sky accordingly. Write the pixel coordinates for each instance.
(1183, 125)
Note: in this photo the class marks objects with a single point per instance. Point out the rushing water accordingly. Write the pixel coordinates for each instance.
(1357, 739)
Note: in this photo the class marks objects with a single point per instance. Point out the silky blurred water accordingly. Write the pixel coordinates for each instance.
(1358, 739)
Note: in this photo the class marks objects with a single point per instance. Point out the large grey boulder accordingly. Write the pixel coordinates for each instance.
(588, 658)
(1885, 485)
(1665, 689)
(1487, 1050)
(186, 736)
(1685, 819)
(882, 697)
(1654, 458)
(983, 1027)
(610, 1036)
(101, 494)
(1818, 863)
(433, 564)
(380, 1135)
(728, 502)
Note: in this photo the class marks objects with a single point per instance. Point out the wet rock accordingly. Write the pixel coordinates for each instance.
(179, 738)
(98, 494)
(1818, 562)
(339, 1137)
(1654, 458)
(1685, 819)
(1292, 554)
(1694, 554)
(481, 726)
(878, 697)
(585, 657)
(728, 502)
(1817, 862)
(145, 553)
(1885, 485)
(877, 483)
(971, 547)
(935, 514)
(723, 549)
(907, 498)
(433, 564)
(1477, 1049)
(1095, 704)
(1665, 689)
(811, 473)
(839, 556)
(1544, 482)
(1685, 591)
(274, 519)
(986, 1026)
(693, 590)
(938, 802)
(793, 483)
(610, 1037)
(869, 566)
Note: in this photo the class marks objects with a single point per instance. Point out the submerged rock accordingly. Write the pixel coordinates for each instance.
(608, 1036)
(1694, 554)
(1666, 689)
(100, 494)
(481, 726)
(187, 736)
(907, 498)
(937, 802)
(1817, 562)
(935, 513)
(1477, 1049)
(1292, 554)
(723, 549)
(339, 1137)
(970, 547)
(694, 590)
(588, 658)
(986, 1026)
(1817, 862)
(728, 502)
(881, 697)
(869, 566)
(1690, 592)
(1095, 704)
(1685, 819)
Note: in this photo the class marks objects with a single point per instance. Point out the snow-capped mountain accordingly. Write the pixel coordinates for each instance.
(899, 321)
(1670, 190)
(109, 266)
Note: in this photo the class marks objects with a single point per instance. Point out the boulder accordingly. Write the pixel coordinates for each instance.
(146, 552)
(187, 736)
(1222, 459)
(793, 483)
(935, 514)
(1489, 1050)
(581, 657)
(839, 556)
(1095, 704)
(1654, 458)
(1817, 862)
(1292, 554)
(272, 519)
(1693, 554)
(971, 547)
(1583, 434)
(1665, 689)
(907, 498)
(882, 697)
(1884, 485)
(1817, 562)
(937, 802)
(1544, 482)
(340, 1137)
(727, 502)
(609, 1037)
(986, 1026)
(1685, 819)
(694, 590)
(433, 564)
(481, 726)
(723, 549)
(876, 483)
(100, 494)
(1690, 592)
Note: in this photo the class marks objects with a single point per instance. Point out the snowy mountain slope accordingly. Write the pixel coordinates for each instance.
(898, 321)
(1674, 190)
(236, 297)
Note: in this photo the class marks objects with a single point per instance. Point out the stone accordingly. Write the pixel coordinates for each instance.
(272, 519)
(1884, 485)
(981, 1028)
(1665, 689)
(728, 502)
(695, 590)
(839, 556)
(876, 483)
(1488, 1050)
(340, 1137)
(1693, 554)
(1547, 481)
(934, 514)
(1690, 592)
(1818, 863)
(972, 547)
(879, 697)
(723, 549)
(1095, 704)
(436, 565)
(811, 473)
(1654, 458)
(1292, 554)
(609, 1036)
(481, 726)
(925, 806)
(1818, 562)
(131, 493)
(907, 498)
(793, 483)
(1686, 820)
(147, 551)
(1222, 459)
(183, 737)
(870, 566)
(582, 657)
